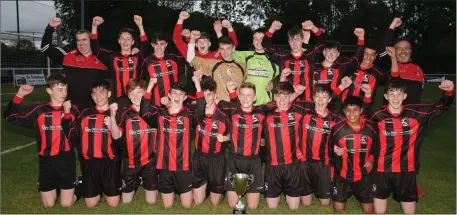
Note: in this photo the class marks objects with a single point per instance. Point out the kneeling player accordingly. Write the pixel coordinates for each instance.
(138, 141)
(90, 133)
(57, 165)
(354, 140)
(208, 161)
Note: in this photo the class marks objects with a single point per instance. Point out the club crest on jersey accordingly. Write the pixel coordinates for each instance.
(130, 59)
(179, 120)
(214, 125)
(302, 64)
(255, 118)
(258, 62)
(365, 78)
(326, 124)
(229, 70)
(290, 116)
(404, 122)
(364, 140)
(330, 71)
(168, 63)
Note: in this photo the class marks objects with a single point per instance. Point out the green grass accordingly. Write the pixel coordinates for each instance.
(20, 171)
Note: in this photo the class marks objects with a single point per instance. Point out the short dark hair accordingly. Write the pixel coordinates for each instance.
(208, 84)
(294, 32)
(126, 30)
(322, 88)
(83, 31)
(352, 100)
(56, 79)
(134, 83)
(204, 35)
(178, 86)
(259, 30)
(226, 40)
(158, 36)
(370, 44)
(100, 83)
(247, 85)
(332, 44)
(395, 84)
(284, 88)
(407, 39)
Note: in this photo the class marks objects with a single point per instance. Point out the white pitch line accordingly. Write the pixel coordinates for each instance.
(17, 148)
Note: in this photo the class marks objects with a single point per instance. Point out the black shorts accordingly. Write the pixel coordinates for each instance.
(57, 172)
(208, 169)
(101, 175)
(131, 177)
(175, 181)
(283, 179)
(316, 179)
(344, 189)
(401, 184)
(246, 165)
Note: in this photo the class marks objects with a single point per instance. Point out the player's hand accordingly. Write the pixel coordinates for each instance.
(366, 88)
(368, 165)
(220, 138)
(138, 20)
(346, 82)
(276, 25)
(226, 24)
(97, 20)
(338, 150)
(151, 84)
(194, 35)
(108, 122)
(24, 90)
(269, 86)
(165, 101)
(391, 52)
(299, 88)
(113, 109)
(307, 25)
(185, 32)
(135, 51)
(359, 33)
(231, 86)
(396, 22)
(184, 15)
(306, 36)
(286, 72)
(55, 21)
(447, 85)
(262, 142)
(217, 25)
(197, 77)
(66, 106)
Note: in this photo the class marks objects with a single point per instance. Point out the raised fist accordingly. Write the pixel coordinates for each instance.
(138, 20)
(366, 88)
(307, 25)
(113, 109)
(184, 15)
(390, 51)
(306, 36)
(135, 51)
(269, 86)
(97, 20)
(165, 101)
(24, 90)
(226, 24)
(217, 26)
(66, 106)
(346, 82)
(396, 22)
(299, 88)
(359, 33)
(447, 85)
(220, 138)
(276, 25)
(286, 72)
(231, 86)
(185, 32)
(197, 77)
(55, 21)
(108, 122)
(152, 81)
(194, 35)
(338, 151)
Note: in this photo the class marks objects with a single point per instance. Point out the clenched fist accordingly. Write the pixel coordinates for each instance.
(276, 25)
(96, 21)
(359, 33)
(396, 22)
(184, 15)
(447, 85)
(24, 90)
(307, 25)
(113, 109)
(66, 106)
(138, 20)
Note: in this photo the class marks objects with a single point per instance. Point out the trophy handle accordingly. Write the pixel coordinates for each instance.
(250, 180)
(230, 179)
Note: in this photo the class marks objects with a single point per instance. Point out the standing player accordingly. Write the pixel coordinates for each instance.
(90, 133)
(57, 166)
(208, 161)
(138, 144)
(401, 130)
(79, 65)
(122, 65)
(174, 125)
(354, 139)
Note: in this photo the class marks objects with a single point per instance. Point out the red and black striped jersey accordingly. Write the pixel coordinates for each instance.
(121, 67)
(371, 76)
(138, 138)
(281, 136)
(360, 144)
(166, 69)
(91, 135)
(209, 126)
(48, 123)
(400, 134)
(173, 134)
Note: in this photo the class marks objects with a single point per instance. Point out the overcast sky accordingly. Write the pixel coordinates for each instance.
(33, 15)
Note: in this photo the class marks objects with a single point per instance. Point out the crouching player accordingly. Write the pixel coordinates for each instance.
(354, 140)
(137, 139)
(57, 165)
(90, 133)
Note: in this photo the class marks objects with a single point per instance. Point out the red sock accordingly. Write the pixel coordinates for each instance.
(419, 191)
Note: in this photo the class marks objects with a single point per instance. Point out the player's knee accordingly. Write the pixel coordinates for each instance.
(272, 205)
(187, 204)
(127, 200)
(151, 201)
(253, 205)
(306, 203)
(338, 208)
(167, 204)
(91, 204)
(67, 203)
(48, 203)
(232, 204)
(325, 202)
(293, 206)
(113, 204)
(198, 201)
(216, 201)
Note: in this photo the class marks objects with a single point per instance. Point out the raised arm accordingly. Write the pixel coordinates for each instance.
(68, 117)
(433, 111)
(177, 37)
(55, 53)
(231, 31)
(102, 54)
(12, 113)
(148, 111)
(146, 48)
(194, 35)
(309, 26)
(384, 62)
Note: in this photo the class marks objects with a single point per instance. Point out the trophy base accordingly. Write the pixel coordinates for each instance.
(236, 211)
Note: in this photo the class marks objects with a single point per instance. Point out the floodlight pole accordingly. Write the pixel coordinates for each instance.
(82, 14)
(17, 20)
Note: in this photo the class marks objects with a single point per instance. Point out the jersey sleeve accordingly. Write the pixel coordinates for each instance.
(13, 114)
(179, 42)
(433, 111)
(148, 111)
(68, 120)
(57, 54)
(102, 54)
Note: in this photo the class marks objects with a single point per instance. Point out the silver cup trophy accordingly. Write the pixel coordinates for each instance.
(240, 182)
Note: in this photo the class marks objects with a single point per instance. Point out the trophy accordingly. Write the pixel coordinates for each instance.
(240, 182)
